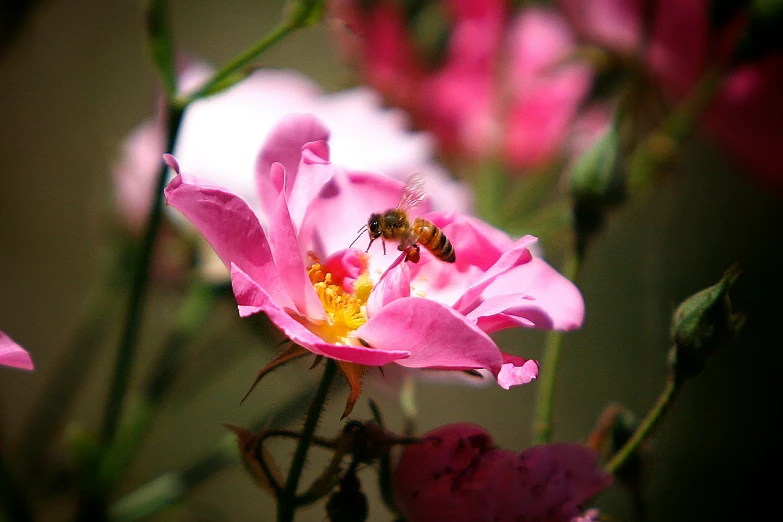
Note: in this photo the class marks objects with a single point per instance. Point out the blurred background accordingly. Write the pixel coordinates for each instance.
(76, 78)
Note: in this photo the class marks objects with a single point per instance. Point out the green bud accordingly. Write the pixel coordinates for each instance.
(702, 324)
(597, 184)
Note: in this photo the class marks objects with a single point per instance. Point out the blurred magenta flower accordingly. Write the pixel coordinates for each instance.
(220, 137)
(13, 355)
(507, 86)
(292, 261)
(456, 474)
(678, 49)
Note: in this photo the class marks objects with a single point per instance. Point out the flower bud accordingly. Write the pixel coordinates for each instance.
(596, 184)
(702, 324)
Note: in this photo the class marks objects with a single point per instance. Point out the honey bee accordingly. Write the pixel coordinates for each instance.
(395, 225)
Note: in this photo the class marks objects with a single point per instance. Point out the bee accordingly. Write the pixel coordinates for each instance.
(395, 225)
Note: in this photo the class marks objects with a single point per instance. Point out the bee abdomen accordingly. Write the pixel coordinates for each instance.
(433, 239)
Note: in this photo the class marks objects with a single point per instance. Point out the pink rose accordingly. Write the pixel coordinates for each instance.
(292, 261)
(456, 474)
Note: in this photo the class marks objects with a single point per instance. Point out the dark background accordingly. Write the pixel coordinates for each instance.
(77, 79)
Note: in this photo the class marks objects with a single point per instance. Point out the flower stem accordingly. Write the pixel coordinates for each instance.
(542, 426)
(654, 416)
(172, 487)
(287, 501)
(220, 79)
(127, 348)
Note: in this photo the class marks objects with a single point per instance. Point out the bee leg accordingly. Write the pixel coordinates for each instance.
(384, 246)
(412, 254)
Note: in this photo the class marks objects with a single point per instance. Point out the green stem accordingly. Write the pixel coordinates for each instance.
(542, 426)
(287, 501)
(214, 84)
(655, 415)
(127, 349)
(159, 41)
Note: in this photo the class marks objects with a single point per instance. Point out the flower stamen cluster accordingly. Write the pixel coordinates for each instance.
(345, 311)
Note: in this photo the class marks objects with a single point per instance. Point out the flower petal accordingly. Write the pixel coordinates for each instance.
(516, 371)
(436, 335)
(394, 284)
(233, 230)
(290, 263)
(284, 145)
(511, 258)
(13, 355)
(251, 299)
(557, 303)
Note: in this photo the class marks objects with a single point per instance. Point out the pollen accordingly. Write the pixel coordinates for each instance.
(345, 311)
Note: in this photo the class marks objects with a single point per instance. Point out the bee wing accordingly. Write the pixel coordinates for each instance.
(413, 193)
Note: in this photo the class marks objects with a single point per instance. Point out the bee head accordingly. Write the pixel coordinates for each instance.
(374, 226)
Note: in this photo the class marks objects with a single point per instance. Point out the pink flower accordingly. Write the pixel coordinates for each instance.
(456, 474)
(13, 355)
(745, 113)
(292, 262)
(506, 86)
(220, 136)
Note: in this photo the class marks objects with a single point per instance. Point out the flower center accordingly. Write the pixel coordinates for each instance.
(345, 311)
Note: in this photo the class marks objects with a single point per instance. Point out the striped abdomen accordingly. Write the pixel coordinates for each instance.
(433, 239)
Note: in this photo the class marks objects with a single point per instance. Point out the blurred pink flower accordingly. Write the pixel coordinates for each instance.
(507, 86)
(13, 355)
(291, 262)
(456, 474)
(680, 47)
(220, 136)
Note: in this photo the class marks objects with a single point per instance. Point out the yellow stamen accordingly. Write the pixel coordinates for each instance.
(345, 311)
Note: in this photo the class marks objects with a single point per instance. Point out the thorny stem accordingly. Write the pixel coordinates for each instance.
(542, 427)
(654, 416)
(170, 488)
(287, 500)
(127, 348)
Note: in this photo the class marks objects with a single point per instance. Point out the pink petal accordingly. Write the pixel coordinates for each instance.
(13, 355)
(679, 43)
(346, 266)
(252, 299)
(348, 200)
(556, 302)
(232, 229)
(456, 474)
(436, 335)
(745, 117)
(516, 371)
(394, 284)
(511, 258)
(284, 145)
(614, 23)
(552, 480)
(313, 173)
(290, 264)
